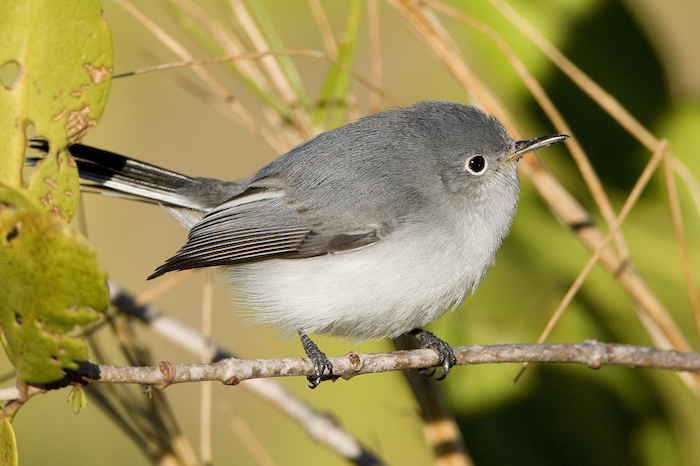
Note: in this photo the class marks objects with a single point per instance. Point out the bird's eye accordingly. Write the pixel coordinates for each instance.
(476, 165)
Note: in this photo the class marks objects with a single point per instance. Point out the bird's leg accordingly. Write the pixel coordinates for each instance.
(446, 357)
(318, 358)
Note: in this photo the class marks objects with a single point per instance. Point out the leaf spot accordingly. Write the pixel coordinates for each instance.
(46, 200)
(60, 115)
(51, 182)
(78, 123)
(10, 74)
(97, 74)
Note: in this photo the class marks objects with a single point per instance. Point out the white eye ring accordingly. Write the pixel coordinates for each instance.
(476, 165)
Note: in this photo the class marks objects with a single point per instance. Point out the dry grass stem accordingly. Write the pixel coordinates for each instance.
(690, 181)
(243, 431)
(677, 223)
(593, 260)
(660, 326)
(279, 80)
(587, 171)
(606, 101)
(164, 286)
(428, 29)
(324, 27)
(227, 41)
(375, 54)
(550, 189)
(393, 101)
(206, 395)
(237, 112)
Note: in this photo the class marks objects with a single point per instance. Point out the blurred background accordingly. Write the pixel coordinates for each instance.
(642, 52)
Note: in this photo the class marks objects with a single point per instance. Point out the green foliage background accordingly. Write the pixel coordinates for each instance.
(554, 414)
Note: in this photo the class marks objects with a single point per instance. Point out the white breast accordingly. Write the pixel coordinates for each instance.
(384, 289)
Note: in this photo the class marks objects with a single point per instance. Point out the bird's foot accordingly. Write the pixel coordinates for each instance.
(446, 357)
(319, 360)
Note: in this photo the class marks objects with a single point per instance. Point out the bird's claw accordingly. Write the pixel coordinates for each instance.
(446, 357)
(320, 365)
(318, 359)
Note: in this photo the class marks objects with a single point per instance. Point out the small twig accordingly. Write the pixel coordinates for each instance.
(273, 53)
(16, 396)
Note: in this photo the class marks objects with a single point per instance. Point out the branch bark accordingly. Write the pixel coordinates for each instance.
(232, 371)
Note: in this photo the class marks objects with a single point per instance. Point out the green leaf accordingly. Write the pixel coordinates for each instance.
(55, 66)
(8, 443)
(55, 184)
(49, 284)
(17, 197)
(337, 83)
(267, 27)
(78, 398)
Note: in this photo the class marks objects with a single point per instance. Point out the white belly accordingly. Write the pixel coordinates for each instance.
(384, 289)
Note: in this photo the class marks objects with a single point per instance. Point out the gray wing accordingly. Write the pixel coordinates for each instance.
(261, 224)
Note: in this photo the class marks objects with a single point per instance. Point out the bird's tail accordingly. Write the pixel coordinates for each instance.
(121, 176)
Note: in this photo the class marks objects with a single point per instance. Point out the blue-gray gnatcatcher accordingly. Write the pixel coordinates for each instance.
(370, 230)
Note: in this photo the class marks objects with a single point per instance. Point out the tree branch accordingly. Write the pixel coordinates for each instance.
(232, 371)
(320, 426)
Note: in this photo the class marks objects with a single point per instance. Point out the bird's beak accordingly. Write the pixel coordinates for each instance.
(523, 147)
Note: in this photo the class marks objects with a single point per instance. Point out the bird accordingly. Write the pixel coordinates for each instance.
(370, 230)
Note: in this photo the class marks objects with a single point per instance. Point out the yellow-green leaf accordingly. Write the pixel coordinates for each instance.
(78, 398)
(55, 70)
(55, 184)
(8, 443)
(49, 286)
